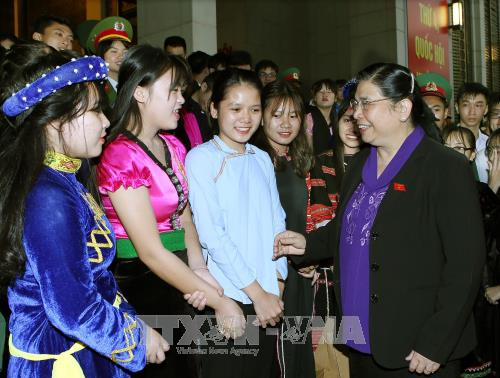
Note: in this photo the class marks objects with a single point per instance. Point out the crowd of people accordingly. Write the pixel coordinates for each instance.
(139, 180)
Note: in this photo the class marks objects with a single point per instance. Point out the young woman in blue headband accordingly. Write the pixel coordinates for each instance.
(68, 317)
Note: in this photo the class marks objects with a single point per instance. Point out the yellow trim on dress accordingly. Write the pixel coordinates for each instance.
(102, 229)
(66, 366)
(61, 162)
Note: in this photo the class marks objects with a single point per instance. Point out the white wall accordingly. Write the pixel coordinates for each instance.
(324, 38)
(194, 20)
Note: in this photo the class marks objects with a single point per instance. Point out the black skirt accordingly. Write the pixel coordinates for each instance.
(150, 295)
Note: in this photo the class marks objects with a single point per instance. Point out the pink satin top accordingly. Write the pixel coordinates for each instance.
(125, 164)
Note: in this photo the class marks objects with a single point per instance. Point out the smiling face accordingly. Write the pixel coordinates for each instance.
(114, 57)
(349, 133)
(160, 103)
(238, 115)
(56, 35)
(281, 124)
(377, 120)
(82, 137)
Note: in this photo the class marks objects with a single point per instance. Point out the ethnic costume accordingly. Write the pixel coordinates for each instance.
(68, 318)
(308, 203)
(127, 162)
(237, 213)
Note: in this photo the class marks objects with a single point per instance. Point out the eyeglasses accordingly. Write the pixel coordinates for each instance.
(365, 103)
(460, 149)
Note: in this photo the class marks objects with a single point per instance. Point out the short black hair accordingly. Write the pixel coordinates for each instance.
(339, 83)
(44, 22)
(10, 37)
(198, 61)
(105, 45)
(174, 41)
(217, 59)
(474, 89)
(494, 99)
(266, 63)
(328, 83)
(239, 58)
(210, 79)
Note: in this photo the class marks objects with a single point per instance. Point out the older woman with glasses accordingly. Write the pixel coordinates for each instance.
(409, 261)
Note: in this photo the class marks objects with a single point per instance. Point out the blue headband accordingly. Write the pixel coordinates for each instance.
(348, 87)
(87, 68)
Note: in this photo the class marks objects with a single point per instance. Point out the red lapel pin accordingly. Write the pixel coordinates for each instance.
(399, 187)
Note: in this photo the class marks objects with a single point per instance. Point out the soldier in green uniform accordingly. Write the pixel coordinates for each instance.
(110, 38)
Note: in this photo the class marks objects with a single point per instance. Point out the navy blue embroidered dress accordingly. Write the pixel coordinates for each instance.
(68, 319)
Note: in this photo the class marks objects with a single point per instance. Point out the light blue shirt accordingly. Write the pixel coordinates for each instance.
(237, 212)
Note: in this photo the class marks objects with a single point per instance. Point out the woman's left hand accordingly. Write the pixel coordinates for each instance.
(421, 364)
(309, 272)
(205, 275)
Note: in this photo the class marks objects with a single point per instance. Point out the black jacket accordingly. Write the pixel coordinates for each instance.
(426, 256)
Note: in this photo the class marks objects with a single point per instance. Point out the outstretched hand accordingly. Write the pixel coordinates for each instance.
(289, 243)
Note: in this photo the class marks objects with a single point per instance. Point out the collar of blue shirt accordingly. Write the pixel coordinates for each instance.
(219, 143)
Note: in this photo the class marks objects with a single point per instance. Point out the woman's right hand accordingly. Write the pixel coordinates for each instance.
(289, 243)
(156, 346)
(230, 318)
(269, 309)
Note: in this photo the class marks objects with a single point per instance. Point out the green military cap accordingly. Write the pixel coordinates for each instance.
(109, 28)
(433, 84)
(291, 73)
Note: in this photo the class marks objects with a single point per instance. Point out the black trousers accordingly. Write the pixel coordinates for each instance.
(241, 361)
(364, 366)
(150, 295)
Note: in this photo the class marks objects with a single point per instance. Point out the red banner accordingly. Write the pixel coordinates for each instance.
(428, 36)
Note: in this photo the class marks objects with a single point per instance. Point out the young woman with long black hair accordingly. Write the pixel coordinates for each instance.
(68, 317)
